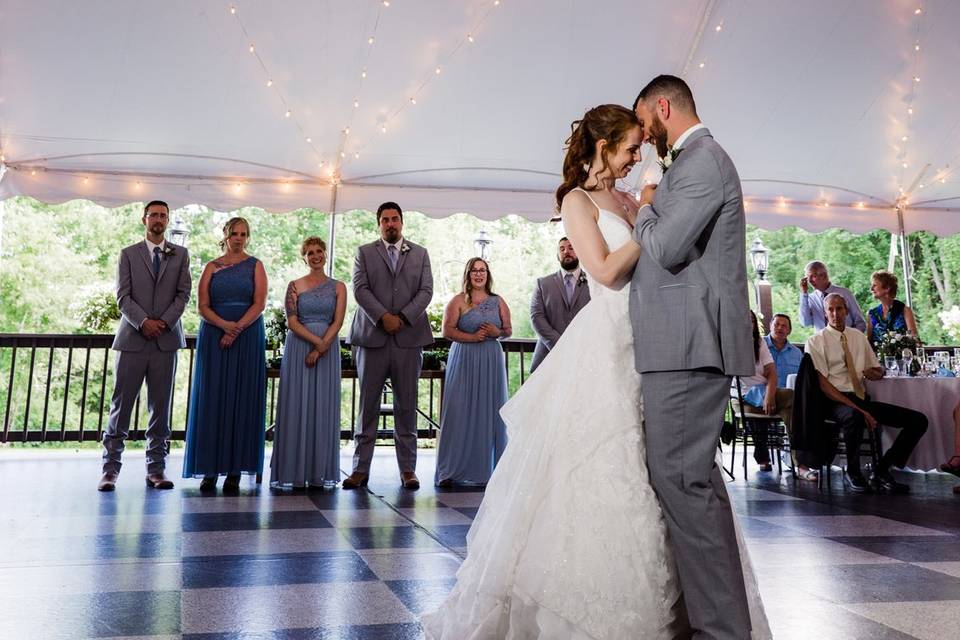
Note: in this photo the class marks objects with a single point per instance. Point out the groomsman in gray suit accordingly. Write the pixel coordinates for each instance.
(690, 316)
(153, 287)
(393, 285)
(557, 298)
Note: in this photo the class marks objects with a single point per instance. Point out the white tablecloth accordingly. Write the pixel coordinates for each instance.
(935, 398)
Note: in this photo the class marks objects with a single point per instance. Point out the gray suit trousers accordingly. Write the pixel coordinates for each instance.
(131, 367)
(684, 411)
(374, 366)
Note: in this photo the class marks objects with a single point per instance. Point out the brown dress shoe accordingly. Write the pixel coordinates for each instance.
(355, 480)
(158, 481)
(409, 480)
(108, 482)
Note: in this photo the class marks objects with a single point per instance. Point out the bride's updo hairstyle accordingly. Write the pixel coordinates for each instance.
(610, 122)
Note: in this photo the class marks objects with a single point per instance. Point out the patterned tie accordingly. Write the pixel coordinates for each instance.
(156, 262)
(392, 254)
(851, 370)
(568, 285)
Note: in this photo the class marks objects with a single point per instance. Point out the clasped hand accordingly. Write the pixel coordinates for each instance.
(152, 329)
(486, 330)
(230, 332)
(391, 323)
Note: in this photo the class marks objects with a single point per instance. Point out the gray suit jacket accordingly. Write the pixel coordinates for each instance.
(378, 291)
(550, 313)
(689, 303)
(139, 296)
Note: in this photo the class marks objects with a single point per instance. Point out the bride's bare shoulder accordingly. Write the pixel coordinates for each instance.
(578, 204)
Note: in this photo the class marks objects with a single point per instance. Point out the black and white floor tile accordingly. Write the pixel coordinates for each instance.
(363, 565)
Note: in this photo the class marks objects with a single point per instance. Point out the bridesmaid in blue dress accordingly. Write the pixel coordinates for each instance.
(306, 444)
(890, 314)
(472, 434)
(225, 432)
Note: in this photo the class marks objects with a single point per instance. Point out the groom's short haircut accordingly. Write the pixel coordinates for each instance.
(563, 239)
(673, 89)
(157, 203)
(389, 205)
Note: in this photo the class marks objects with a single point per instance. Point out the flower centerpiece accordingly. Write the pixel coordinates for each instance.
(897, 345)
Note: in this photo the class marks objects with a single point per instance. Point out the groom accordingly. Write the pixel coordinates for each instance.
(689, 311)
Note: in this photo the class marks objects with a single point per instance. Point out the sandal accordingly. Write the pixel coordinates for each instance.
(951, 466)
(808, 474)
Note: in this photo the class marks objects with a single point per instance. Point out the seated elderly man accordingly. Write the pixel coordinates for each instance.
(812, 303)
(842, 357)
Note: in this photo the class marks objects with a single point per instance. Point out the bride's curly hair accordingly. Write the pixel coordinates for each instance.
(610, 122)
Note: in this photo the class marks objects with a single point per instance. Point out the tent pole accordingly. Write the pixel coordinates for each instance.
(332, 235)
(892, 256)
(905, 256)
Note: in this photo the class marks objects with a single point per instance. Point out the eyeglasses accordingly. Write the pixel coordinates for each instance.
(478, 272)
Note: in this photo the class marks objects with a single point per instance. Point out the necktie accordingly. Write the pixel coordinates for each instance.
(392, 254)
(568, 285)
(156, 262)
(851, 370)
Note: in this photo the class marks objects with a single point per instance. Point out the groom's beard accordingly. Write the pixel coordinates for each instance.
(570, 264)
(659, 134)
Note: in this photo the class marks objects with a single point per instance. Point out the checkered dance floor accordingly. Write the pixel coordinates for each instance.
(362, 565)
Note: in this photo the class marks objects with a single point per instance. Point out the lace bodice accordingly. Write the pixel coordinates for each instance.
(486, 311)
(319, 303)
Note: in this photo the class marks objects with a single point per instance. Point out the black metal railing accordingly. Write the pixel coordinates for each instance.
(57, 387)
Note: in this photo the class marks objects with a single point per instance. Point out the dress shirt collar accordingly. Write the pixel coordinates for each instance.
(574, 272)
(678, 143)
(398, 244)
(151, 246)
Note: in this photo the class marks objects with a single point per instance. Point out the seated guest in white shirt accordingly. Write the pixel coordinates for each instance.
(842, 357)
(812, 307)
(760, 392)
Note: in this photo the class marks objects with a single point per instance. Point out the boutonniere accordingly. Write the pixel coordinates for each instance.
(168, 251)
(667, 160)
(582, 279)
(404, 248)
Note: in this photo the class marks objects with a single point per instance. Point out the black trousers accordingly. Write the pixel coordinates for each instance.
(912, 425)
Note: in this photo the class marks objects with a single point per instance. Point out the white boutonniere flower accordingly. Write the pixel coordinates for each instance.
(582, 279)
(168, 251)
(667, 160)
(404, 248)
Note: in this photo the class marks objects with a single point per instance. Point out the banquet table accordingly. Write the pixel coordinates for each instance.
(935, 398)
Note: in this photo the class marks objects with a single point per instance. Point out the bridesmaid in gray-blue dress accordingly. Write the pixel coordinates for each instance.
(472, 434)
(306, 445)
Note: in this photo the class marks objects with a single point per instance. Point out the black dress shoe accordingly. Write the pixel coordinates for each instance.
(885, 482)
(856, 482)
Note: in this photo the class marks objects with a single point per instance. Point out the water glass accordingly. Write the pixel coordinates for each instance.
(907, 365)
(890, 362)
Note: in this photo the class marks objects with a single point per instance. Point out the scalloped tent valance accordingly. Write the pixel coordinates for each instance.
(828, 109)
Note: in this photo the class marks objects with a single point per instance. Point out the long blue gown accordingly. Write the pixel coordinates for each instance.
(472, 433)
(306, 444)
(225, 432)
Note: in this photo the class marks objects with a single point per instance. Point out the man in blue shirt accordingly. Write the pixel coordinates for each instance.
(812, 309)
(786, 357)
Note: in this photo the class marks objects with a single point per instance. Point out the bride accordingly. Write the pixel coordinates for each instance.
(570, 541)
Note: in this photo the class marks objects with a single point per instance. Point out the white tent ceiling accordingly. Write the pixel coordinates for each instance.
(118, 101)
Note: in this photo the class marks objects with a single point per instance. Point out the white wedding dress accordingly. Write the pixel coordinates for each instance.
(570, 541)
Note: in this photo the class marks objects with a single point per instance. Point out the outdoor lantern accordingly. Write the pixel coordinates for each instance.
(482, 244)
(758, 256)
(179, 232)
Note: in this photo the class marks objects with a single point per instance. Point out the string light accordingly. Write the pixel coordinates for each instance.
(287, 114)
(251, 49)
(33, 172)
(702, 65)
(269, 83)
(910, 110)
(233, 10)
(904, 138)
(370, 40)
(383, 128)
(356, 155)
(86, 181)
(356, 104)
(346, 131)
(363, 74)
(386, 3)
(309, 140)
(918, 11)
(469, 38)
(437, 70)
(413, 101)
